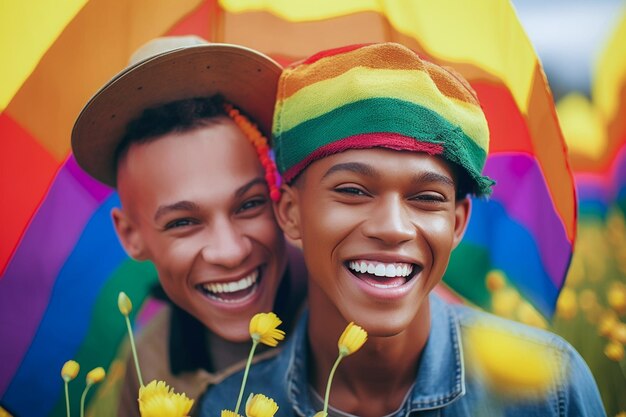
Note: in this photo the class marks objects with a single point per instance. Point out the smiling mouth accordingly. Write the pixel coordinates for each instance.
(381, 274)
(233, 291)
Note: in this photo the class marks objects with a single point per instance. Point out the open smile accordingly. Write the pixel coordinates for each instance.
(383, 275)
(233, 291)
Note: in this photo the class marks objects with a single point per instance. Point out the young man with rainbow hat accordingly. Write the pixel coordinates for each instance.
(379, 150)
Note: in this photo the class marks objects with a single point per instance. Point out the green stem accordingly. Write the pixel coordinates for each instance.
(82, 400)
(245, 375)
(134, 349)
(67, 400)
(330, 381)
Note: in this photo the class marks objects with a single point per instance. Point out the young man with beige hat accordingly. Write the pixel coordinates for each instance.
(176, 134)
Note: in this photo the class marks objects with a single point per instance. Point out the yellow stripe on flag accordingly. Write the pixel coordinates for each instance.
(27, 30)
(485, 33)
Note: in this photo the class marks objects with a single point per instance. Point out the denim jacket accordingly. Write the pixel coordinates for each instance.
(443, 386)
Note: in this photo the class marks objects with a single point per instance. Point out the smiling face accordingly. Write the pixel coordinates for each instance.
(196, 204)
(377, 228)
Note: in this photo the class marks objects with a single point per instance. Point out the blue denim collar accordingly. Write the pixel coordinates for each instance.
(440, 378)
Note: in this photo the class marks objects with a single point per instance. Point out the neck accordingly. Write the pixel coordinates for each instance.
(373, 381)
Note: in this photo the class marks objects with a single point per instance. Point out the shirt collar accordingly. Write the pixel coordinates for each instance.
(440, 378)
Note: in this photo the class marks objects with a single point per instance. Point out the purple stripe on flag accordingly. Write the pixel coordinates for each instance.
(522, 190)
(26, 286)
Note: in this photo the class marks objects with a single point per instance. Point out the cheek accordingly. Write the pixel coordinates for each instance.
(265, 231)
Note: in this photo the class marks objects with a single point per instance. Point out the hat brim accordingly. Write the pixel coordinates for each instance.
(244, 77)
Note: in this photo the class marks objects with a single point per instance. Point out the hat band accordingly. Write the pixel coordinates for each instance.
(391, 141)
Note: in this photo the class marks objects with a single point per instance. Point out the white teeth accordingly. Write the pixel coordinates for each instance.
(228, 287)
(390, 271)
(381, 269)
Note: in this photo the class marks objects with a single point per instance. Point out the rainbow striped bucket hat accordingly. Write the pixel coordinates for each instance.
(377, 95)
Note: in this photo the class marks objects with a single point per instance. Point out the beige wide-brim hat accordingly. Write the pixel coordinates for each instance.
(166, 70)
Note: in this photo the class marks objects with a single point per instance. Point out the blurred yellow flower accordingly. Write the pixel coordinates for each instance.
(504, 302)
(510, 363)
(608, 320)
(124, 304)
(157, 399)
(95, 375)
(4, 413)
(351, 339)
(260, 406)
(228, 413)
(617, 297)
(321, 414)
(566, 306)
(70, 370)
(614, 351)
(495, 280)
(618, 332)
(621, 414)
(263, 328)
(528, 315)
(587, 299)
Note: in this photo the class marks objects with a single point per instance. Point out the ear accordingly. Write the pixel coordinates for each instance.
(461, 217)
(129, 236)
(287, 213)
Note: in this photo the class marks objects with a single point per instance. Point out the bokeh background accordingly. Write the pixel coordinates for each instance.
(538, 251)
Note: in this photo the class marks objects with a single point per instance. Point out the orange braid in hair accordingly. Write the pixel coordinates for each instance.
(259, 142)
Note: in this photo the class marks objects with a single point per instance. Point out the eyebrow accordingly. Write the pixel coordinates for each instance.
(244, 188)
(368, 170)
(430, 177)
(186, 205)
(179, 205)
(356, 167)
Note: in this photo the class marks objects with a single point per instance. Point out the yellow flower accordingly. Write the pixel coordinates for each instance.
(4, 413)
(351, 339)
(495, 280)
(124, 304)
(528, 315)
(70, 370)
(511, 364)
(617, 297)
(618, 332)
(621, 414)
(260, 406)
(321, 414)
(505, 301)
(263, 328)
(95, 375)
(614, 351)
(157, 399)
(587, 300)
(228, 413)
(566, 306)
(607, 322)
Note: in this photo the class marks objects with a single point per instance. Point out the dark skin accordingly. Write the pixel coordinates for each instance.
(372, 207)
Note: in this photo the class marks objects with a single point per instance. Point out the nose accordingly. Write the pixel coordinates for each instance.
(389, 222)
(228, 246)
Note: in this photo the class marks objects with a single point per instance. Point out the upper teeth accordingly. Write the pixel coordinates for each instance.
(381, 269)
(242, 284)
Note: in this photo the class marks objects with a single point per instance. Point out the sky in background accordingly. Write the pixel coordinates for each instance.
(568, 35)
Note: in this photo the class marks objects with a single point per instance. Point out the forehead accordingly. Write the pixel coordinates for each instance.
(207, 162)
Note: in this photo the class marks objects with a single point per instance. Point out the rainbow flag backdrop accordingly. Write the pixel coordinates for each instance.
(60, 261)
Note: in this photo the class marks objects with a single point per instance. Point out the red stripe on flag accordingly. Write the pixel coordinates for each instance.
(26, 172)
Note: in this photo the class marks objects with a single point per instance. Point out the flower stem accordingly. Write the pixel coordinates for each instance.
(134, 349)
(82, 400)
(245, 374)
(67, 399)
(330, 381)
